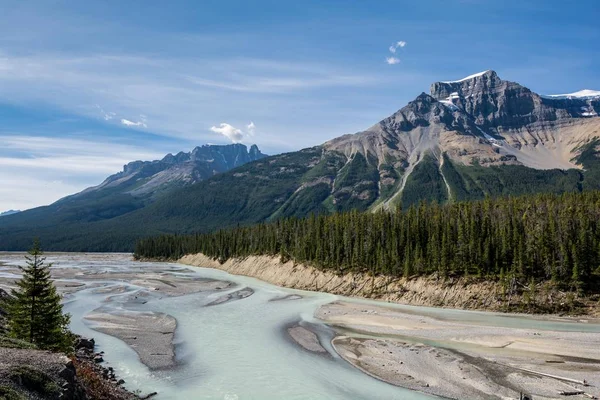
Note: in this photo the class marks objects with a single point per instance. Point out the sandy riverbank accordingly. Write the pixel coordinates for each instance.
(150, 334)
(306, 339)
(461, 360)
(420, 291)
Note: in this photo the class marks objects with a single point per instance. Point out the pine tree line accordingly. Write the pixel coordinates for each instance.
(542, 237)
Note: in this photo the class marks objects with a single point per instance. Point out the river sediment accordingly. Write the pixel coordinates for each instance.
(447, 358)
(465, 358)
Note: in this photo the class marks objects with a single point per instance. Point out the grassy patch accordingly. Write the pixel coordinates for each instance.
(13, 343)
(7, 393)
(33, 380)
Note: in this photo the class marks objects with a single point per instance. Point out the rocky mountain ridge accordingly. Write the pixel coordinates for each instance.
(469, 139)
(143, 178)
(480, 120)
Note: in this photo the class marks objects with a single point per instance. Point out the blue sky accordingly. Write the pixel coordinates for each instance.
(86, 86)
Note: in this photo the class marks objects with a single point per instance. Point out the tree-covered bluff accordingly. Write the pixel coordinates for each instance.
(520, 242)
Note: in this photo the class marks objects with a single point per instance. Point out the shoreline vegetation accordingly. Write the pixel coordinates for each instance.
(533, 254)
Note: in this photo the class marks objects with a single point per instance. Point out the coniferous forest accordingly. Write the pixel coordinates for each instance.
(532, 238)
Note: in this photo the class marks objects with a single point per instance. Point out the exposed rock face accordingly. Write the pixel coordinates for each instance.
(490, 101)
(419, 126)
(39, 374)
(480, 119)
(497, 105)
(486, 118)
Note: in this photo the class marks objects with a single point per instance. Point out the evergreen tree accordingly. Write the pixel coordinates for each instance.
(35, 312)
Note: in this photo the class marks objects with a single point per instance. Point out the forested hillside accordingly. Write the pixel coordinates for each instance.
(530, 238)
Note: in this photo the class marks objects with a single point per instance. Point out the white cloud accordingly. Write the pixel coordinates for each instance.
(392, 60)
(127, 122)
(234, 134)
(397, 45)
(251, 128)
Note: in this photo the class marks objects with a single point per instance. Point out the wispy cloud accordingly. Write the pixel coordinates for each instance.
(56, 167)
(264, 84)
(106, 115)
(177, 94)
(127, 122)
(400, 44)
(392, 60)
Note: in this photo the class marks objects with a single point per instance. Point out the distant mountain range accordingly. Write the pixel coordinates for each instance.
(150, 179)
(138, 185)
(468, 139)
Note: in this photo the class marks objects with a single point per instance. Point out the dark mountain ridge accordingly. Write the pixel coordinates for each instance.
(9, 212)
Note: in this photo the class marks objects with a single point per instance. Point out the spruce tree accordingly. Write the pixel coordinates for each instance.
(35, 312)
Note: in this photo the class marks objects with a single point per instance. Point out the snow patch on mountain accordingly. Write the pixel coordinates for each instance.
(469, 77)
(449, 104)
(449, 101)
